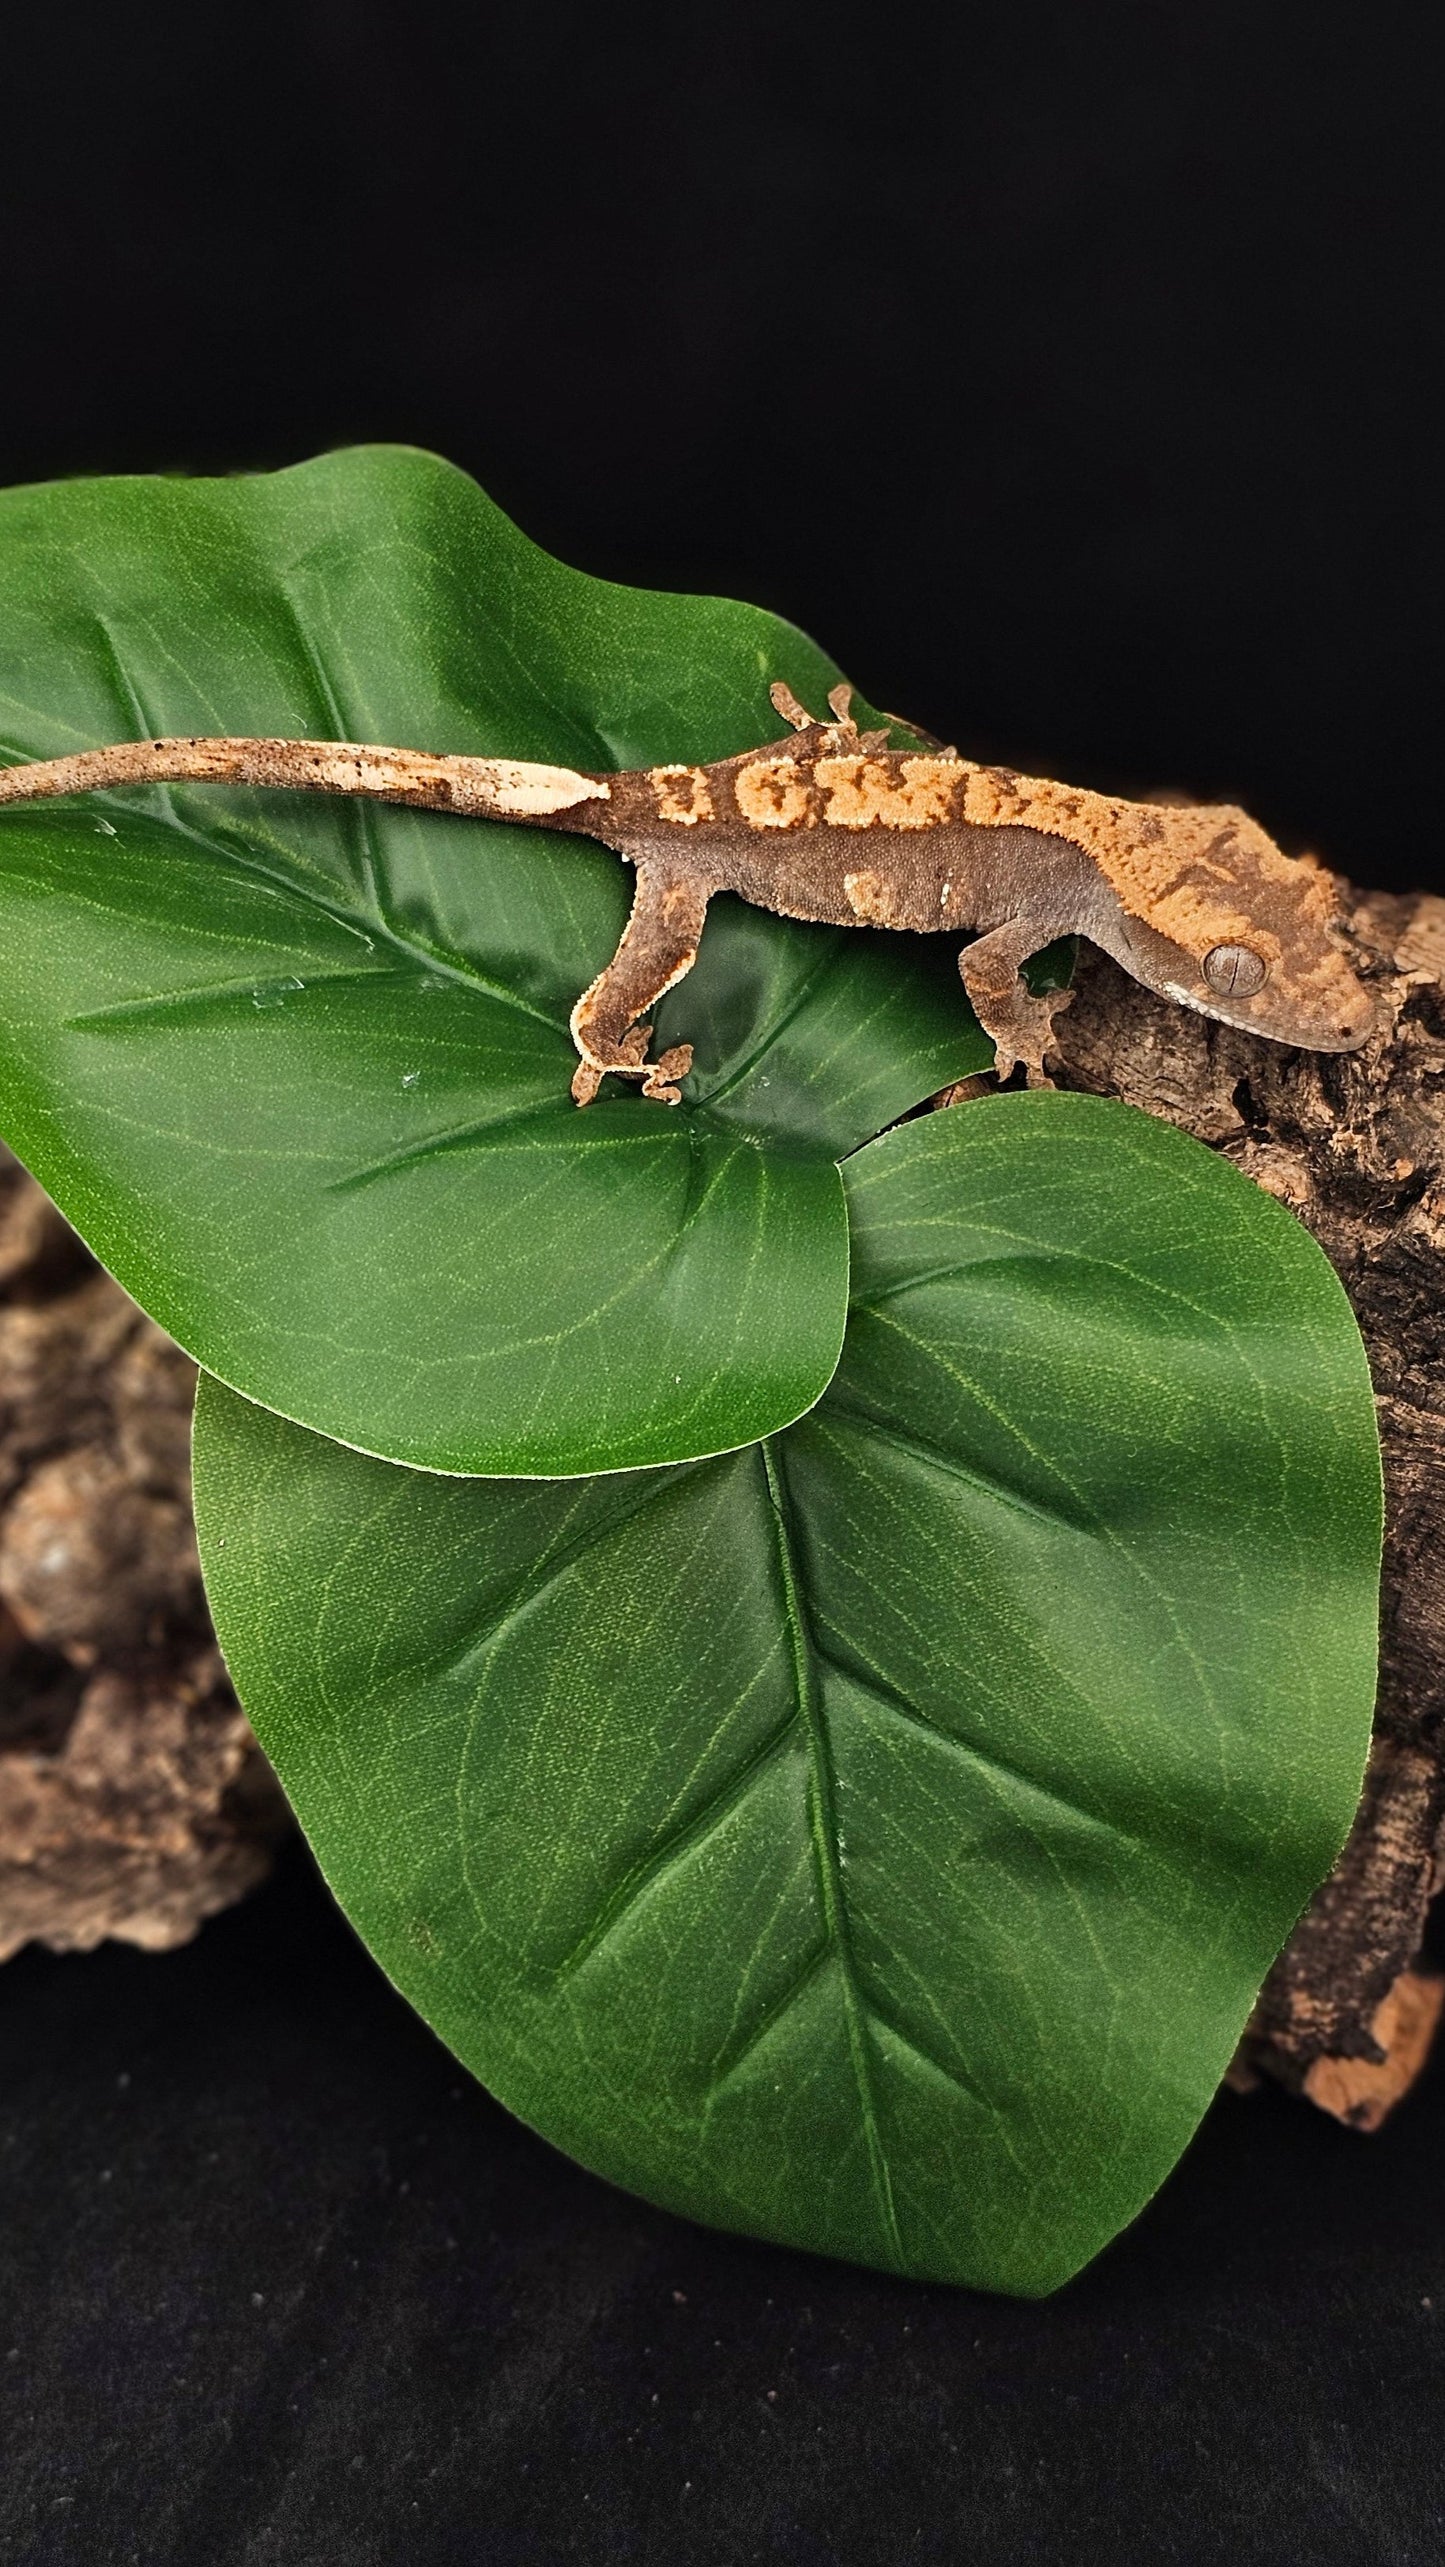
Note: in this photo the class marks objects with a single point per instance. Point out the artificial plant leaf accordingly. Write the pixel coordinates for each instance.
(873, 1839)
(298, 1070)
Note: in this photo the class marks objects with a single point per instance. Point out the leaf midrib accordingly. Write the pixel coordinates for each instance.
(827, 1851)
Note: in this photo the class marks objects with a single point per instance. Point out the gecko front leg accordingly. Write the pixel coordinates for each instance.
(659, 945)
(1021, 1025)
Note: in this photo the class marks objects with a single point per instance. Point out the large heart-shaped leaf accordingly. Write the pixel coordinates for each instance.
(298, 1070)
(873, 1839)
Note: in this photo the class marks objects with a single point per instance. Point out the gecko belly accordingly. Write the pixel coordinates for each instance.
(847, 878)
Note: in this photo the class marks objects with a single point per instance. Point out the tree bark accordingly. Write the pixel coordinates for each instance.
(133, 1799)
(1354, 1143)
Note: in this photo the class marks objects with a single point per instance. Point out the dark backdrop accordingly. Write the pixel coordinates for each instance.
(1066, 369)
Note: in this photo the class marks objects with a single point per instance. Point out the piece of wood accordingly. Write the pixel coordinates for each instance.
(133, 1799)
(1355, 1145)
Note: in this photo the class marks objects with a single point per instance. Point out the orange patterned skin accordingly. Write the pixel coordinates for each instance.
(835, 826)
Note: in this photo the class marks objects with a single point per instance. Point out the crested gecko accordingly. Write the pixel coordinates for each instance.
(834, 826)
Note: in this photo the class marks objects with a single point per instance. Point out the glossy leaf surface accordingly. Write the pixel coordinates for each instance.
(873, 1839)
(298, 1069)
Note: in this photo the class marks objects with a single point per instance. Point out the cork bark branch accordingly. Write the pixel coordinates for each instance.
(133, 1800)
(1354, 1143)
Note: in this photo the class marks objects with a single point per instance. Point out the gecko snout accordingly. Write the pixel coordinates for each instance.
(1341, 1021)
(1358, 1019)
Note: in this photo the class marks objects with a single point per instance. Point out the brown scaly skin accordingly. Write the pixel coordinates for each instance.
(834, 826)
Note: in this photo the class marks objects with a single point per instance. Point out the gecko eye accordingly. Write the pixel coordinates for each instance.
(1234, 970)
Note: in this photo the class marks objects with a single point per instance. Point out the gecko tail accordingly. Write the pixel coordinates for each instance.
(476, 788)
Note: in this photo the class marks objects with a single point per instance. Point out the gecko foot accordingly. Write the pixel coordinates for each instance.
(840, 705)
(842, 735)
(658, 1077)
(784, 701)
(626, 1059)
(662, 1073)
(1028, 1038)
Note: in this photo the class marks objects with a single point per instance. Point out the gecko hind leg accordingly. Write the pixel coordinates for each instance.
(658, 948)
(1021, 1026)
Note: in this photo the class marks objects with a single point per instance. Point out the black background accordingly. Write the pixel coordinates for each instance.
(1069, 371)
(286, 2289)
(1066, 368)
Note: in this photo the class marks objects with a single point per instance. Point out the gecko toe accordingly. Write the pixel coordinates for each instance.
(660, 1082)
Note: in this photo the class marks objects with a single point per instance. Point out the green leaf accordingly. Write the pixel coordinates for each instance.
(298, 1070)
(874, 1839)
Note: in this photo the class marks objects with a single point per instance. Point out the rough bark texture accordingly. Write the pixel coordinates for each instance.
(133, 1799)
(1355, 1145)
(134, 1802)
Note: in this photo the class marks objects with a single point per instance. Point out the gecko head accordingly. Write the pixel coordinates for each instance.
(1237, 929)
